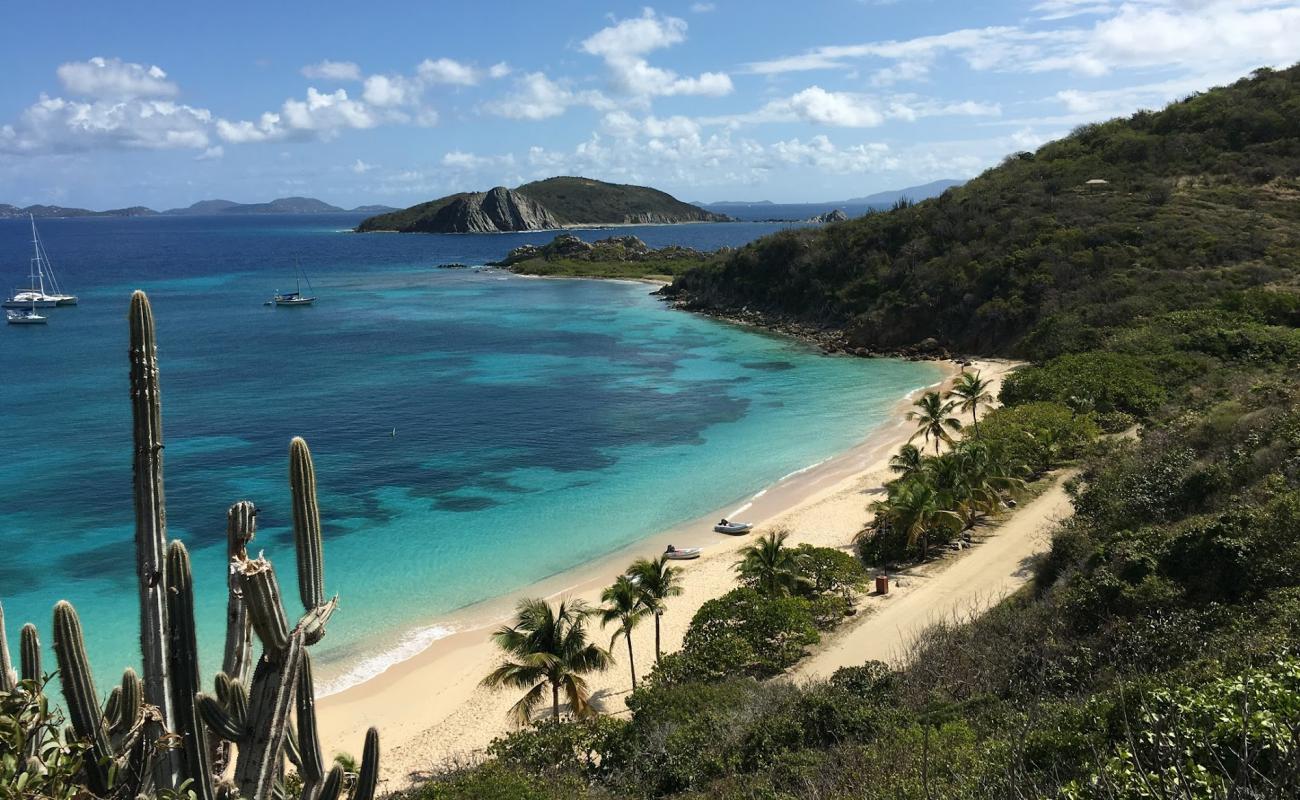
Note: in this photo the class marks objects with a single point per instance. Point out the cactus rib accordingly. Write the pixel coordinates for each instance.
(8, 679)
(368, 777)
(241, 527)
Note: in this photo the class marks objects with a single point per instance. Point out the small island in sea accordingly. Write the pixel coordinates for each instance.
(542, 205)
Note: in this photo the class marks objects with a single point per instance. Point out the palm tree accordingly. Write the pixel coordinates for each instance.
(623, 604)
(657, 581)
(770, 566)
(934, 419)
(547, 647)
(914, 509)
(907, 461)
(971, 391)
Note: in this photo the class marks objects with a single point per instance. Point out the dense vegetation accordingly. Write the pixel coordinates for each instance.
(625, 257)
(1199, 209)
(1156, 654)
(584, 200)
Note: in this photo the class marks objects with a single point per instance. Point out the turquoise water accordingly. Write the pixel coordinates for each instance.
(474, 432)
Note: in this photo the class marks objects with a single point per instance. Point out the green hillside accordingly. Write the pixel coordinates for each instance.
(1199, 205)
(584, 200)
(409, 219)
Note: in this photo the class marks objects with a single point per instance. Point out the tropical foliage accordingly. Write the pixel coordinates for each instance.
(548, 648)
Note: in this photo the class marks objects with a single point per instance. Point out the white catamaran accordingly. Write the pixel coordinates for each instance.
(43, 290)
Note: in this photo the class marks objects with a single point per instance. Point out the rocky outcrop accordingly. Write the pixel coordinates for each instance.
(488, 212)
(615, 249)
(837, 215)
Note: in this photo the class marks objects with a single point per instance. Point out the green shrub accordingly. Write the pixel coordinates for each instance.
(496, 781)
(1094, 381)
(1037, 436)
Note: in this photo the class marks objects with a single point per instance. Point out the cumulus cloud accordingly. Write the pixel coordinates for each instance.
(320, 114)
(360, 167)
(446, 70)
(537, 97)
(112, 78)
(332, 71)
(58, 125)
(498, 70)
(387, 91)
(819, 106)
(623, 46)
(461, 160)
(211, 154)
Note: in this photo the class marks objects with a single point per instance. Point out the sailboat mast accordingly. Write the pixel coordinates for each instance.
(38, 274)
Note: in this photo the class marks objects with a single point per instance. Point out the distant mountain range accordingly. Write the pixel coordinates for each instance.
(283, 205)
(542, 205)
(854, 206)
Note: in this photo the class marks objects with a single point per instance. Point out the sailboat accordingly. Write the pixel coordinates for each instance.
(295, 298)
(41, 279)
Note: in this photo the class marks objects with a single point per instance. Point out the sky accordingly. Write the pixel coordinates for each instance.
(162, 104)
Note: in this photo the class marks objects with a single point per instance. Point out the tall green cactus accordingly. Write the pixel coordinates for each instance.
(241, 527)
(79, 694)
(151, 525)
(29, 648)
(183, 656)
(306, 525)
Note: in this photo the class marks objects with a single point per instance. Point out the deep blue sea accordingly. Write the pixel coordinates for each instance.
(473, 431)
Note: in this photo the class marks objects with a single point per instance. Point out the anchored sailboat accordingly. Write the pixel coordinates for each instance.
(43, 289)
(296, 298)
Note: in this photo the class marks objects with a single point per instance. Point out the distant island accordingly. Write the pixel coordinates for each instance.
(282, 205)
(616, 257)
(542, 205)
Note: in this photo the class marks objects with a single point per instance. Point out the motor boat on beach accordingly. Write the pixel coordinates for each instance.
(733, 528)
(682, 553)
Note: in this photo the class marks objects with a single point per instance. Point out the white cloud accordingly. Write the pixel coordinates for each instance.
(112, 78)
(387, 91)
(818, 106)
(703, 8)
(1186, 34)
(360, 167)
(624, 125)
(623, 45)
(57, 125)
(446, 70)
(538, 97)
(458, 159)
(498, 70)
(819, 152)
(332, 71)
(321, 114)
(211, 154)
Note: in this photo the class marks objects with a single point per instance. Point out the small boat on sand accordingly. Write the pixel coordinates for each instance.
(733, 528)
(682, 553)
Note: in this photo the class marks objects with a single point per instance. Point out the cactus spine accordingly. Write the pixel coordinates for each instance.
(310, 763)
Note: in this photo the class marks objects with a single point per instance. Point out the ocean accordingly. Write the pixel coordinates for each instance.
(473, 431)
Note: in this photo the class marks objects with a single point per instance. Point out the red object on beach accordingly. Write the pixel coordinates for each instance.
(882, 584)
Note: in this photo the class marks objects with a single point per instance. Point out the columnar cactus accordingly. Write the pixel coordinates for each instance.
(29, 647)
(152, 734)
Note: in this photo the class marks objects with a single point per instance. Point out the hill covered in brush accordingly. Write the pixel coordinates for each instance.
(1182, 208)
(541, 205)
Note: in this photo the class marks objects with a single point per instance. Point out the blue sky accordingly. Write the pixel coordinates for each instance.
(162, 104)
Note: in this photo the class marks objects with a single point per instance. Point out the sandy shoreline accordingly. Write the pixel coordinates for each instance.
(430, 709)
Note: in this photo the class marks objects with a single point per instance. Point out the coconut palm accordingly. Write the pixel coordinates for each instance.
(907, 461)
(771, 567)
(547, 646)
(934, 419)
(624, 605)
(971, 391)
(657, 581)
(914, 509)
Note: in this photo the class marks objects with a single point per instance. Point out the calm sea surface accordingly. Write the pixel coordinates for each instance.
(473, 431)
